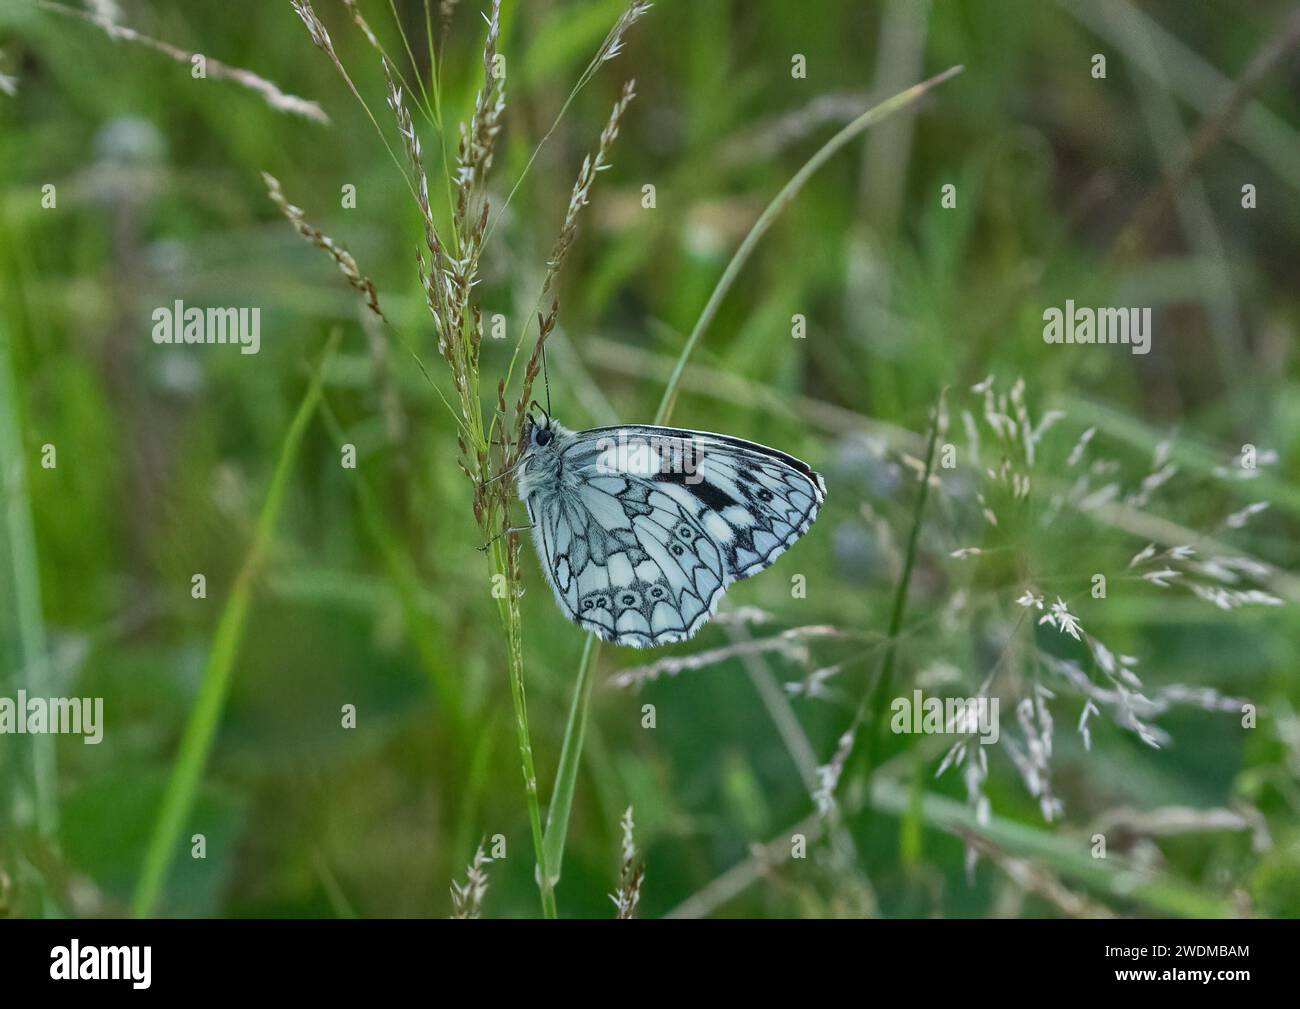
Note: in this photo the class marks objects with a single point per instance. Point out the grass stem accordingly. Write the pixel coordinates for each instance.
(205, 716)
(880, 686)
(514, 632)
(566, 775)
(783, 199)
(20, 544)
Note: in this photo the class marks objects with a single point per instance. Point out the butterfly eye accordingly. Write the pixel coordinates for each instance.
(764, 494)
(543, 436)
(685, 532)
(656, 593)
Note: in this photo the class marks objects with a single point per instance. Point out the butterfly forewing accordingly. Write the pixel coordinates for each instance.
(641, 529)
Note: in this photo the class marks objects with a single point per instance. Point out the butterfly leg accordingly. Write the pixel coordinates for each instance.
(505, 532)
(508, 471)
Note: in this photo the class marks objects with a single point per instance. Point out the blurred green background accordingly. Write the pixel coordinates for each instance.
(371, 591)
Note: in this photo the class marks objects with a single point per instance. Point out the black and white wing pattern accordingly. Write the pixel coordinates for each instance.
(640, 530)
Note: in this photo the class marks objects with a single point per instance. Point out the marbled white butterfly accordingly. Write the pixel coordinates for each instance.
(640, 529)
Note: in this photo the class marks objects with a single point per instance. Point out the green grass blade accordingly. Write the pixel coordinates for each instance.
(566, 775)
(783, 199)
(427, 644)
(20, 546)
(510, 619)
(886, 678)
(1070, 857)
(200, 730)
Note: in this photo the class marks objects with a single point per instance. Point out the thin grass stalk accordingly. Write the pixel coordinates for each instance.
(783, 198)
(27, 604)
(271, 94)
(566, 774)
(853, 750)
(359, 282)
(407, 583)
(580, 196)
(205, 716)
(575, 728)
(320, 37)
(609, 48)
(427, 109)
(1113, 876)
(505, 561)
(476, 781)
(889, 659)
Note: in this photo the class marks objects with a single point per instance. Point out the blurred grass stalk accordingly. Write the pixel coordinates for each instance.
(557, 822)
(1065, 856)
(200, 730)
(1112, 876)
(883, 683)
(20, 546)
(407, 583)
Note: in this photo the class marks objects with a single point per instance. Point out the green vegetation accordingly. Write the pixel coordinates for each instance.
(830, 228)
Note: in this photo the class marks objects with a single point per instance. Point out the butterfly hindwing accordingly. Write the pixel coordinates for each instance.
(633, 575)
(641, 556)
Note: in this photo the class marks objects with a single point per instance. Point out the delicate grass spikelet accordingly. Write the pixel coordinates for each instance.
(613, 43)
(790, 643)
(586, 179)
(579, 198)
(270, 93)
(467, 897)
(478, 138)
(1027, 539)
(631, 873)
(342, 258)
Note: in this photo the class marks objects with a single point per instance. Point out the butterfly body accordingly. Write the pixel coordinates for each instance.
(641, 529)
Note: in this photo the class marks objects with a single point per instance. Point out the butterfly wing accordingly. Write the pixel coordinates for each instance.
(640, 547)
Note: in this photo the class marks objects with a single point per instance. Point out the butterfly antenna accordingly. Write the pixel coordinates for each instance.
(546, 380)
